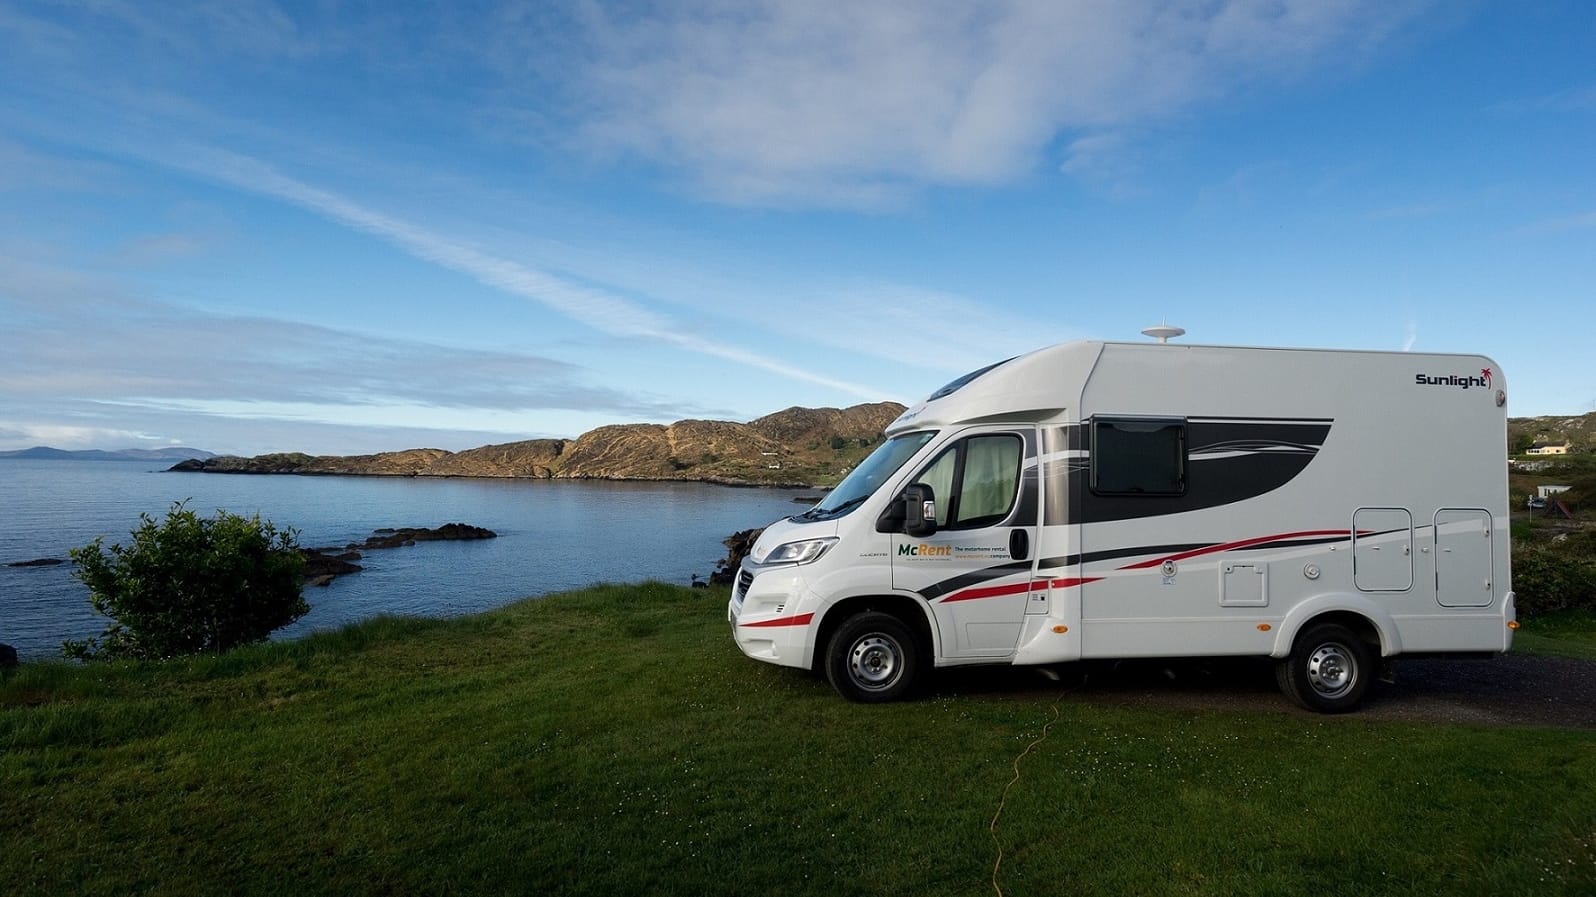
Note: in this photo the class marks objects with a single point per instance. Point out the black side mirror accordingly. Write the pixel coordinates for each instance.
(919, 511)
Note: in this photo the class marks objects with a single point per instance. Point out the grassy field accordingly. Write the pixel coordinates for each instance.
(1567, 634)
(614, 741)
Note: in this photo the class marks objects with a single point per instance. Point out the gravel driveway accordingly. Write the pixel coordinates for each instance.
(1510, 690)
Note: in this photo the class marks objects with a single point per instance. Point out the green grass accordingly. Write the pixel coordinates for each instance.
(613, 741)
(1565, 634)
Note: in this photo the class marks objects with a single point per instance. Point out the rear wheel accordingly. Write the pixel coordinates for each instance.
(872, 658)
(1329, 669)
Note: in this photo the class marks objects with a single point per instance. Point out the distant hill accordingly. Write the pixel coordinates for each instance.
(798, 446)
(175, 453)
(1579, 431)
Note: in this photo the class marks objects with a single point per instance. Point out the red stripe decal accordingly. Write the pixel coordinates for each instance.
(1071, 583)
(1231, 546)
(800, 620)
(1040, 584)
(997, 591)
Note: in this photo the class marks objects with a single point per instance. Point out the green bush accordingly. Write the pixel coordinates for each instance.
(1555, 576)
(190, 586)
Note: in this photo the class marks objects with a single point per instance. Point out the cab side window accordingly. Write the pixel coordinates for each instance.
(975, 481)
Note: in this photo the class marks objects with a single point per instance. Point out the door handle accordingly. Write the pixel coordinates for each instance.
(1019, 544)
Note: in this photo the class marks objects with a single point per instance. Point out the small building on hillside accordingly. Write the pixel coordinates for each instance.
(1549, 491)
(1549, 448)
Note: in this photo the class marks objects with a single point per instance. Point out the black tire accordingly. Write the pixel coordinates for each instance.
(873, 658)
(1329, 669)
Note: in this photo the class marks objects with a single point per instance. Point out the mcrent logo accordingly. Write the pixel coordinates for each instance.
(925, 551)
(1459, 381)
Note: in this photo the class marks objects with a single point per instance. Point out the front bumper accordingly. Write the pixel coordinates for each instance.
(767, 618)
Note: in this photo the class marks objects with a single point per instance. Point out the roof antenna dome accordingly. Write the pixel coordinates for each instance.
(1164, 332)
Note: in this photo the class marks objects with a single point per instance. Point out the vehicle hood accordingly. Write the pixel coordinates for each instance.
(788, 530)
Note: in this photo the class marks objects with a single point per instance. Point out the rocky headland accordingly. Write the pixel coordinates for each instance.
(795, 447)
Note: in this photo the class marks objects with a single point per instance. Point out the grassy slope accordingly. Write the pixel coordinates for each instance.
(614, 741)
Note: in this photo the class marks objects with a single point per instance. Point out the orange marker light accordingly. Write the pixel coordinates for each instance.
(1061, 629)
(1512, 624)
(1264, 627)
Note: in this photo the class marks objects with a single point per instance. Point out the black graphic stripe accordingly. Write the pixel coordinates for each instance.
(974, 577)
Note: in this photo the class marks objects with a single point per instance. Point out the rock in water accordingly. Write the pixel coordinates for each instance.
(449, 532)
(321, 567)
(8, 657)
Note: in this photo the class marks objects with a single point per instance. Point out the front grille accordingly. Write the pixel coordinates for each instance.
(744, 580)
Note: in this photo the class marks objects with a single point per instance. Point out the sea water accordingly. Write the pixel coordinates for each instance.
(552, 535)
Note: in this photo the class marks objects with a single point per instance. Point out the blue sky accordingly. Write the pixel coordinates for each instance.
(346, 227)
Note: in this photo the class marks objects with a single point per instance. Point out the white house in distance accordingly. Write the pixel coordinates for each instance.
(1549, 448)
(1549, 491)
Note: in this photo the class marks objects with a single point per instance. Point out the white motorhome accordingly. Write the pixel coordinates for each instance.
(1111, 500)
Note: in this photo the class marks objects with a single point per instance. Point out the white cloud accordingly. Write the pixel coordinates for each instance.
(825, 103)
(74, 338)
(64, 436)
(752, 101)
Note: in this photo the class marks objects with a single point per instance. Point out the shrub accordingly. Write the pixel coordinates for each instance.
(190, 586)
(1554, 576)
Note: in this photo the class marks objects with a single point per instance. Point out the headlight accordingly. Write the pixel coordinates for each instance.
(798, 552)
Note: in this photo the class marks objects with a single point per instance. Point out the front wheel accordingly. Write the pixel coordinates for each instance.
(1329, 669)
(872, 658)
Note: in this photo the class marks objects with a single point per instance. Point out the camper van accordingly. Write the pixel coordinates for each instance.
(1326, 509)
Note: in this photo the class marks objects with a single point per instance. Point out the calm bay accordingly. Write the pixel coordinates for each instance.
(553, 535)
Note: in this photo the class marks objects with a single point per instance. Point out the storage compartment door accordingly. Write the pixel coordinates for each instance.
(1463, 557)
(1382, 549)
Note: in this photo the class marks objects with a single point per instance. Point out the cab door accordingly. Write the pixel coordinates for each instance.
(976, 569)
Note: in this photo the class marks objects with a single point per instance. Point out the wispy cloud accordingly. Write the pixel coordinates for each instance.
(23, 168)
(76, 339)
(1412, 338)
(1572, 99)
(67, 436)
(155, 248)
(1412, 211)
(882, 319)
(1557, 225)
(593, 307)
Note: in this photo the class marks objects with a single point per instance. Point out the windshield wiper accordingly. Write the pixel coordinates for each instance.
(819, 513)
(847, 506)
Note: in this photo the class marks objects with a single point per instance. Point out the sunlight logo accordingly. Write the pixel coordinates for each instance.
(1465, 381)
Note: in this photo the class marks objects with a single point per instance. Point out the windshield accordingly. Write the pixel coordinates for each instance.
(867, 477)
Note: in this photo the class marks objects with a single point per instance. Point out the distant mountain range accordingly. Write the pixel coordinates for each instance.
(175, 453)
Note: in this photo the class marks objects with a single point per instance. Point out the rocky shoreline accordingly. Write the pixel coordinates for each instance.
(325, 564)
(795, 448)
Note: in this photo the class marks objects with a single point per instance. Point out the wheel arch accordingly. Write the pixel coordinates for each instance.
(1370, 622)
(911, 611)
